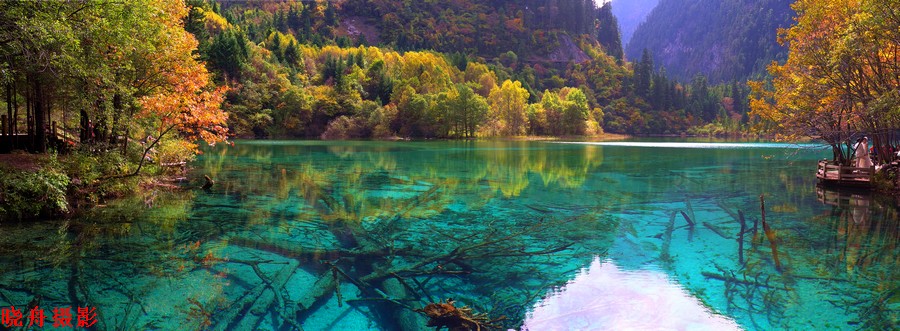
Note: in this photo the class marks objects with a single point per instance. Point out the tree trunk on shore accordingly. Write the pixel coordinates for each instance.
(9, 109)
(85, 131)
(40, 111)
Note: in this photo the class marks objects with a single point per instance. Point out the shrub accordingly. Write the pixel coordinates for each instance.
(345, 127)
(28, 194)
(90, 171)
(175, 151)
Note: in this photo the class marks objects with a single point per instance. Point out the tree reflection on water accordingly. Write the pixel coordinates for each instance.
(865, 235)
(356, 235)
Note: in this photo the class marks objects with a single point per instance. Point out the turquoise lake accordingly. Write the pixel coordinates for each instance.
(342, 235)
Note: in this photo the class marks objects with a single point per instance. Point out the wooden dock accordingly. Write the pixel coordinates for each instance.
(830, 173)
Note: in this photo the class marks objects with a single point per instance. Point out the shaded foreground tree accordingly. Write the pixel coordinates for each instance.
(113, 72)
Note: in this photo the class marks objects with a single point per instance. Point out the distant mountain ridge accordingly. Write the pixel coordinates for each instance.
(630, 14)
(725, 40)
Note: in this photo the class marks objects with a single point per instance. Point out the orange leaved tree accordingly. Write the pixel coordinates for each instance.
(178, 97)
(842, 75)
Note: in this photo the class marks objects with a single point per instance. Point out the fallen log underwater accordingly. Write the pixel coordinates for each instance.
(376, 273)
(392, 276)
(248, 311)
(770, 234)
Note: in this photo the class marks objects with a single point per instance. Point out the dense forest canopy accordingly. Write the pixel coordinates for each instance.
(343, 71)
(123, 78)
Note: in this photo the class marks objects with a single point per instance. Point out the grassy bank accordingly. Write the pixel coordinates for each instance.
(47, 185)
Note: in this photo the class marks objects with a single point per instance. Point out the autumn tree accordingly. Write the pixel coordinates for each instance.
(841, 75)
(552, 109)
(566, 111)
(412, 111)
(481, 77)
(575, 111)
(537, 119)
(507, 109)
(465, 111)
(181, 102)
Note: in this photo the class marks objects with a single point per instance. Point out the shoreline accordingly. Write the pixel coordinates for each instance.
(46, 186)
(43, 203)
(600, 137)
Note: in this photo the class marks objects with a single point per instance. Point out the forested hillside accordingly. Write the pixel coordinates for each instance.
(129, 86)
(116, 77)
(725, 40)
(421, 69)
(483, 28)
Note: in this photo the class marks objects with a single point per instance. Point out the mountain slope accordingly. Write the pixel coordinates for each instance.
(485, 28)
(427, 69)
(630, 14)
(722, 39)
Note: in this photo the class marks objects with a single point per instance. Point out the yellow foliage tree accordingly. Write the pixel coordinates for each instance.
(842, 74)
(507, 109)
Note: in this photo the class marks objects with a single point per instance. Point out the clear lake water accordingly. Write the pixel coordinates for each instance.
(643, 234)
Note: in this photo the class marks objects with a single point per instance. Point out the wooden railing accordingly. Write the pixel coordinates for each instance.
(64, 135)
(55, 135)
(829, 172)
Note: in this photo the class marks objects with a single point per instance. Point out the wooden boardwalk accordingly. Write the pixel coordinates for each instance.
(834, 174)
(57, 137)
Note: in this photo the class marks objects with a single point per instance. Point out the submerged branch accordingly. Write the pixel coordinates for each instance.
(740, 281)
(687, 218)
(716, 230)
